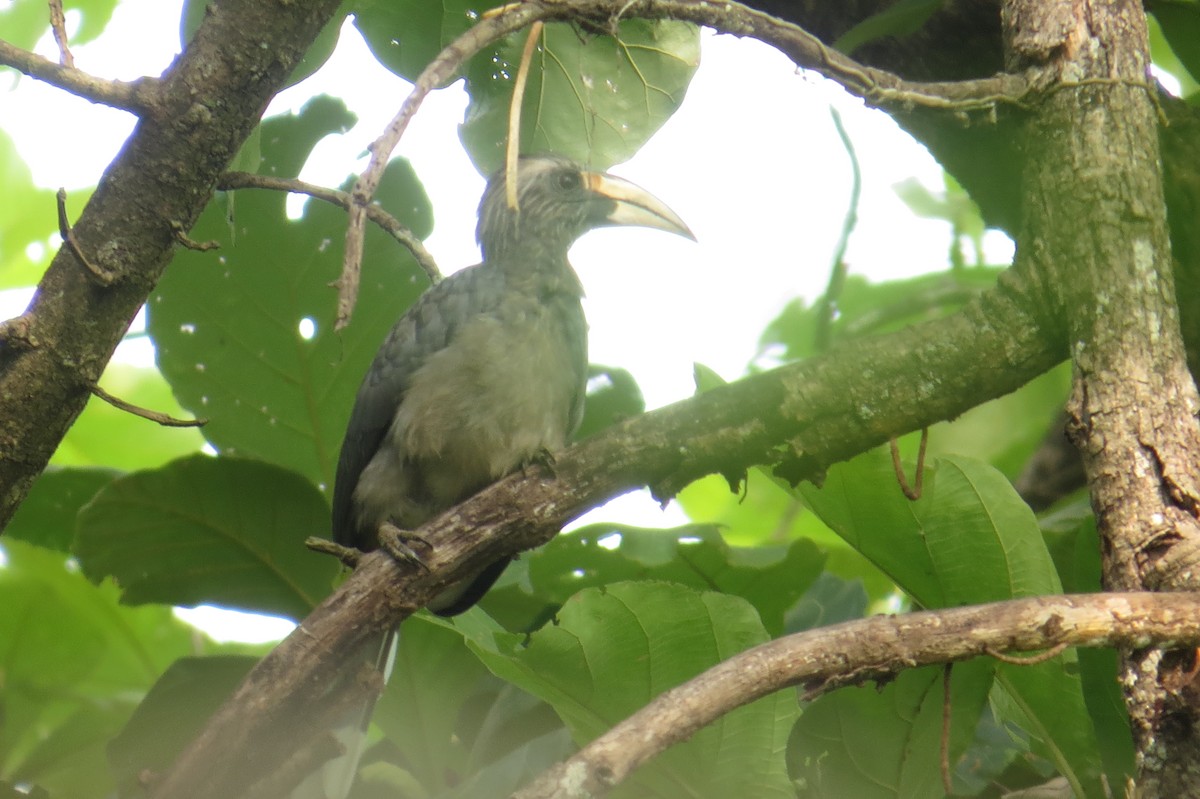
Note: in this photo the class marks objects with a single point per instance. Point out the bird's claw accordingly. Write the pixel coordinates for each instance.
(396, 543)
(544, 458)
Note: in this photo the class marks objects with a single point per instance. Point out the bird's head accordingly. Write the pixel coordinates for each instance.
(557, 202)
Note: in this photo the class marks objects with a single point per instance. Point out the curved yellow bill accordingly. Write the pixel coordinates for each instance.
(634, 205)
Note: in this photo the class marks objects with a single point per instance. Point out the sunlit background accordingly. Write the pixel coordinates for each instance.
(752, 161)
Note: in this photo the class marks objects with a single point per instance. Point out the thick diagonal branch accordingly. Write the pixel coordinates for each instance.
(800, 418)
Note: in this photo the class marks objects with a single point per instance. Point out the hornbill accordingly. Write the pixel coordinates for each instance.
(486, 372)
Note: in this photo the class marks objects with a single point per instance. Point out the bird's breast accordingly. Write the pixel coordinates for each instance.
(505, 388)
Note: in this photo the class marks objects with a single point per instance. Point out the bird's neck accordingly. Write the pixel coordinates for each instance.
(536, 270)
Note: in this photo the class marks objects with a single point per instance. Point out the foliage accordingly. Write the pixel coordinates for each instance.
(101, 682)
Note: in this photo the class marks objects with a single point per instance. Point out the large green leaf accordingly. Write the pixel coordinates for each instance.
(591, 97)
(75, 664)
(172, 713)
(772, 579)
(454, 723)
(209, 530)
(245, 334)
(885, 743)
(47, 516)
(610, 652)
(594, 98)
(969, 539)
(405, 35)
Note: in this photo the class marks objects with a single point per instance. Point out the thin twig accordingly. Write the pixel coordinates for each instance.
(101, 276)
(246, 180)
(441, 69)
(58, 24)
(154, 416)
(513, 150)
(17, 332)
(827, 305)
(913, 492)
(137, 96)
(1028, 660)
(184, 240)
(349, 556)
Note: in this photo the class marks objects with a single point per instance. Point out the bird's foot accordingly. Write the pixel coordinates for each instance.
(396, 543)
(544, 458)
(349, 556)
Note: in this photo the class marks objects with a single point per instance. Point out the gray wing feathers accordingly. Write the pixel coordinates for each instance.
(426, 328)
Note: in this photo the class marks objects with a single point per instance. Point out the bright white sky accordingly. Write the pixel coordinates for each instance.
(751, 161)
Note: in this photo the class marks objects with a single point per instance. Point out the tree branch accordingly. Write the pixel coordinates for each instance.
(1095, 234)
(800, 418)
(389, 223)
(137, 97)
(207, 103)
(868, 649)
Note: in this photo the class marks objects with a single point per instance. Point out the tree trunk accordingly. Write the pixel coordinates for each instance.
(1094, 234)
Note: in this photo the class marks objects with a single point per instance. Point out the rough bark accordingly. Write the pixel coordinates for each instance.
(192, 125)
(1094, 232)
(862, 650)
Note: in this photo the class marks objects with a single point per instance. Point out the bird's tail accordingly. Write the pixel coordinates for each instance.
(335, 777)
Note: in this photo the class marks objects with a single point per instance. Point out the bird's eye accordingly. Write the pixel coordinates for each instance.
(569, 181)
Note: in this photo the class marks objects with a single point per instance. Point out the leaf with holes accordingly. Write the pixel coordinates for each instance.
(594, 98)
(244, 334)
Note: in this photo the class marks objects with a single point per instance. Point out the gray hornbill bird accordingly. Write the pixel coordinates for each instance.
(486, 371)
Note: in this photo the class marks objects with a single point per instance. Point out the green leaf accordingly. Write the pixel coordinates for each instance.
(612, 396)
(435, 674)
(771, 579)
(594, 98)
(829, 600)
(885, 742)
(899, 19)
(968, 540)
(75, 664)
(764, 512)
(460, 730)
(209, 530)
(866, 308)
(230, 325)
(612, 651)
(172, 713)
(405, 35)
(47, 516)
